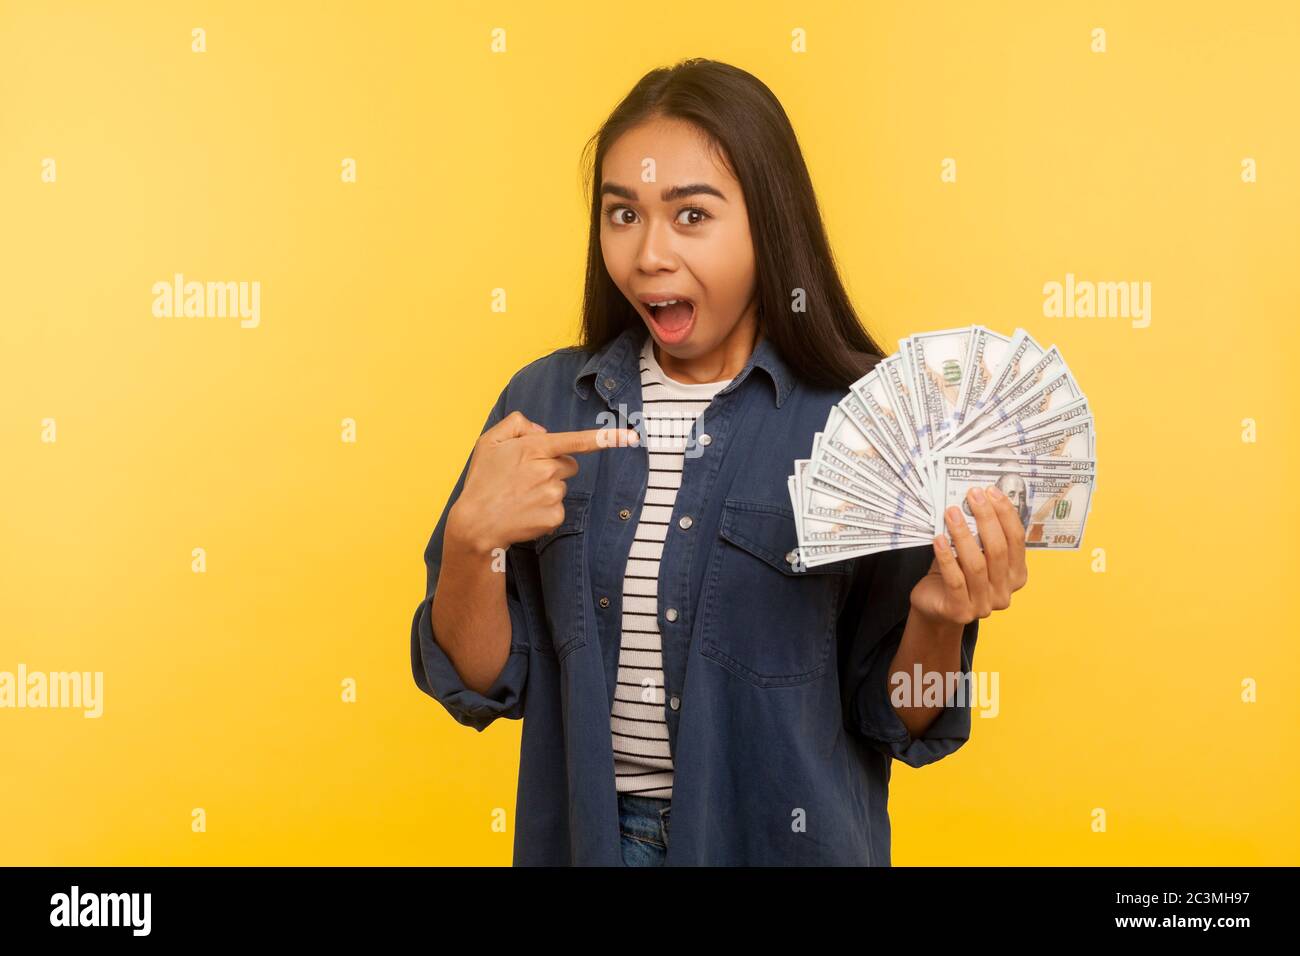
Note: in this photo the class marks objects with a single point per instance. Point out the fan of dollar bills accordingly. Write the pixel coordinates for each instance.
(948, 411)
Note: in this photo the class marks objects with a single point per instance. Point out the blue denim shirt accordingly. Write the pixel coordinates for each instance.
(776, 693)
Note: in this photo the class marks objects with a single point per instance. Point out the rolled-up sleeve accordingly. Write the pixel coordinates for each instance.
(433, 670)
(870, 631)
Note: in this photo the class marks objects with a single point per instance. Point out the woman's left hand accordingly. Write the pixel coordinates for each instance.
(972, 583)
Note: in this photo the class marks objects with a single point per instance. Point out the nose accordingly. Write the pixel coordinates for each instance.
(658, 247)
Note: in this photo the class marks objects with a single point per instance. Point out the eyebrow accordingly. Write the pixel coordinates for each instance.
(668, 195)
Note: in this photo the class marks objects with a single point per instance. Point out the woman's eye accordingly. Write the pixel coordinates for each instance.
(694, 209)
(618, 209)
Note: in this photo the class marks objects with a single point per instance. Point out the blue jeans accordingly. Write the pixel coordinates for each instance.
(643, 823)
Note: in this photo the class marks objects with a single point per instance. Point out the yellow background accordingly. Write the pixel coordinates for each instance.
(1119, 690)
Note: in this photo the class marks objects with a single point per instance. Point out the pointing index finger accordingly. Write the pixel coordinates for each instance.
(576, 443)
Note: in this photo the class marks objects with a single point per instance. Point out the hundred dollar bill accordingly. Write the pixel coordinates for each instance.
(988, 350)
(837, 478)
(840, 546)
(823, 475)
(1074, 438)
(1022, 351)
(828, 519)
(1043, 413)
(842, 437)
(1052, 507)
(898, 391)
(1045, 397)
(1045, 367)
(941, 369)
(871, 393)
(873, 432)
(1011, 464)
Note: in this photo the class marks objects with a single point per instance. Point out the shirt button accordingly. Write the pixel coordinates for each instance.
(604, 602)
(610, 383)
(671, 614)
(705, 439)
(625, 514)
(674, 702)
(685, 522)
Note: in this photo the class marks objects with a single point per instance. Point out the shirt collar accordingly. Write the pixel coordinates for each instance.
(617, 364)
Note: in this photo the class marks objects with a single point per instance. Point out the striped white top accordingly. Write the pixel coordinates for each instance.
(642, 760)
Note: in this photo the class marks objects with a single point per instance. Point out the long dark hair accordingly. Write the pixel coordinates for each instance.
(824, 345)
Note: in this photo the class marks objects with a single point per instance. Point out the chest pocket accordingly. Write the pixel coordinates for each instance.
(562, 569)
(764, 620)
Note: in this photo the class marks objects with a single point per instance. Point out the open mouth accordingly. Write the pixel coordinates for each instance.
(674, 320)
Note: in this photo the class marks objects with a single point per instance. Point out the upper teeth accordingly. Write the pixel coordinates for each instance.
(667, 302)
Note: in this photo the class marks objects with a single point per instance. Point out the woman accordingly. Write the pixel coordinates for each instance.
(633, 592)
